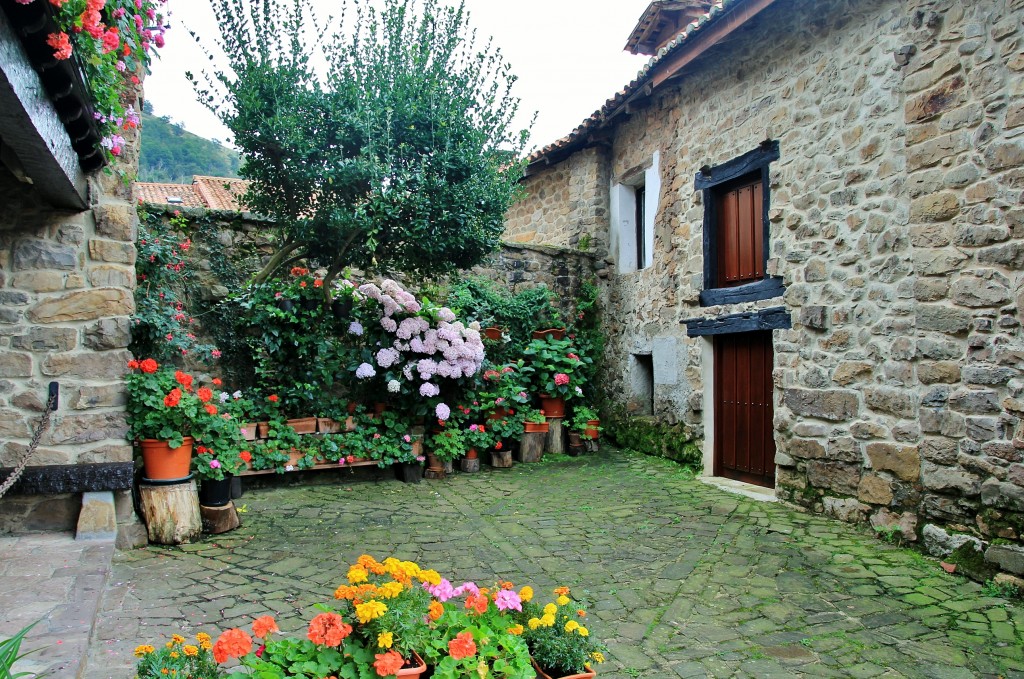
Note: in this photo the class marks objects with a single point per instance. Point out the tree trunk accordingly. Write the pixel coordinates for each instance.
(218, 520)
(531, 447)
(171, 512)
(501, 459)
(556, 436)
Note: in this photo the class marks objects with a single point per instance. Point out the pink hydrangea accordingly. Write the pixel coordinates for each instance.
(561, 379)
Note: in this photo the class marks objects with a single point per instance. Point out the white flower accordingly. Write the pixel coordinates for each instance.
(579, 391)
(224, 396)
(237, 395)
(394, 386)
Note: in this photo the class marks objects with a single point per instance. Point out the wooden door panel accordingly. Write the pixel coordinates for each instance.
(744, 440)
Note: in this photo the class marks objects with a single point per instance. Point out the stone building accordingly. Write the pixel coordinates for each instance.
(67, 255)
(808, 226)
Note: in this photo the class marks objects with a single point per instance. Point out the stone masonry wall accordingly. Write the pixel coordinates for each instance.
(897, 227)
(66, 282)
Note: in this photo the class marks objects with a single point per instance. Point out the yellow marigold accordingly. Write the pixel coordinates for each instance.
(206, 645)
(177, 638)
(357, 574)
(203, 637)
(561, 591)
(526, 593)
(385, 639)
(534, 623)
(191, 651)
(145, 649)
(583, 631)
(516, 629)
(169, 644)
(562, 600)
(598, 656)
(571, 625)
(547, 620)
(345, 592)
(550, 609)
(389, 590)
(431, 577)
(371, 610)
(165, 671)
(174, 654)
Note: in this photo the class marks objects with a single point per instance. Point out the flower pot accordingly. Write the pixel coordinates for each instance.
(408, 472)
(553, 333)
(310, 304)
(434, 463)
(326, 425)
(591, 431)
(498, 413)
(471, 454)
(341, 308)
(379, 408)
(285, 305)
(294, 457)
(543, 674)
(263, 429)
(536, 427)
(162, 463)
(414, 666)
(492, 333)
(553, 406)
(249, 431)
(303, 425)
(213, 493)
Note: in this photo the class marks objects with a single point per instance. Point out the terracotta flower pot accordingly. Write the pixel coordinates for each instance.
(553, 333)
(163, 463)
(263, 429)
(379, 408)
(249, 431)
(492, 333)
(590, 674)
(303, 425)
(591, 431)
(498, 413)
(471, 454)
(553, 406)
(415, 666)
(536, 427)
(326, 425)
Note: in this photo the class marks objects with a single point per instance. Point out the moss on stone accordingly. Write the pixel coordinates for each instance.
(658, 439)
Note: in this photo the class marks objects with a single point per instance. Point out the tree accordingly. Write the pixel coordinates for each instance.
(397, 155)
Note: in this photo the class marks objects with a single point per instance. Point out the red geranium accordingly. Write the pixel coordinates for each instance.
(149, 366)
(462, 646)
(172, 399)
(231, 644)
(204, 394)
(388, 664)
(328, 629)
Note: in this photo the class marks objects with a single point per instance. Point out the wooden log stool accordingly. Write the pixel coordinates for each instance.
(171, 512)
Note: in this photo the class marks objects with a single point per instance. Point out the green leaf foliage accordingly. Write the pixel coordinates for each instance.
(399, 155)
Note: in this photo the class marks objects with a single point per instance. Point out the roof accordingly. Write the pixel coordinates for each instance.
(661, 21)
(212, 193)
(724, 17)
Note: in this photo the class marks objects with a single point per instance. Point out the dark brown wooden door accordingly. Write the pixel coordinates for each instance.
(744, 444)
(740, 235)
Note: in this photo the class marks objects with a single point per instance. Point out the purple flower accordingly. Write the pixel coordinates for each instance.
(387, 357)
(365, 370)
(427, 389)
(214, 464)
(442, 411)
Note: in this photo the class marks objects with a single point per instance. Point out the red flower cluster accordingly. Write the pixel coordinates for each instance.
(234, 643)
(462, 646)
(328, 629)
(184, 379)
(388, 664)
(172, 399)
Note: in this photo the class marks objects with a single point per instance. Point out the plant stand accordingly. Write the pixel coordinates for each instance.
(171, 512)
(218, 520)
(531, 447)
(501, 459)
(470, 465)
(556, 436)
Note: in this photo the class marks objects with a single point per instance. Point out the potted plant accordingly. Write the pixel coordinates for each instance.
(177, 659)
(559, 641)
(448, 444)
(584, 424)
(162, 409)
(553, 370)
(535, 421)
(535, 433)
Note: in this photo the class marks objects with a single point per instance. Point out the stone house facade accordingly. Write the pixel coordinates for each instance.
(808, 224)
(67, 256)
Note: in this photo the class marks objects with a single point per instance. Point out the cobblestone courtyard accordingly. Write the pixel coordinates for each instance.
(682, 579)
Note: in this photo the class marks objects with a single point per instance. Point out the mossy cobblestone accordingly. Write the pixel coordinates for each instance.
(682, 579)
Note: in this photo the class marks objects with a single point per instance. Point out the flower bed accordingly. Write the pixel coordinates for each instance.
(389, 614)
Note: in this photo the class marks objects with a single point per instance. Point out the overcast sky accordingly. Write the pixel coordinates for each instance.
(567, 54)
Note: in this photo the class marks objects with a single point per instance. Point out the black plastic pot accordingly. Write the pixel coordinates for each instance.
(285, 305)
(214, 493)
(341, 308)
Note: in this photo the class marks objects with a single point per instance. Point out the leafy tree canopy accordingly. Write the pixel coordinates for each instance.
(397, 153)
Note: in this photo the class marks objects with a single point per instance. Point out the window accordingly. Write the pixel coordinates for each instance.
(736, 230)
(641, 380)
(634, 204)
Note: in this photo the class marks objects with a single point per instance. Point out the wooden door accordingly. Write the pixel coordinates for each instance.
(744, 441)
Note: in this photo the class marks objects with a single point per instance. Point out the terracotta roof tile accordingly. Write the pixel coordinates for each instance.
(601, 116)
(221, 193)
(181, 195)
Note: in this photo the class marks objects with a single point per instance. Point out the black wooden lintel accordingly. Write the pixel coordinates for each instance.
(749, 162)
(764, 319)
(72, 478)
(751, 292)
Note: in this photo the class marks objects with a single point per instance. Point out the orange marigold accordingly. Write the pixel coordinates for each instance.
(328, 629)
(388, 664)
(345, 592)
(436, 610)
(562, 591)
(264, 625)
(233, 643)
(462, 646)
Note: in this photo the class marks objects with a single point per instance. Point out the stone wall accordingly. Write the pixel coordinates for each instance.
(66, 282)
(897, 229)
